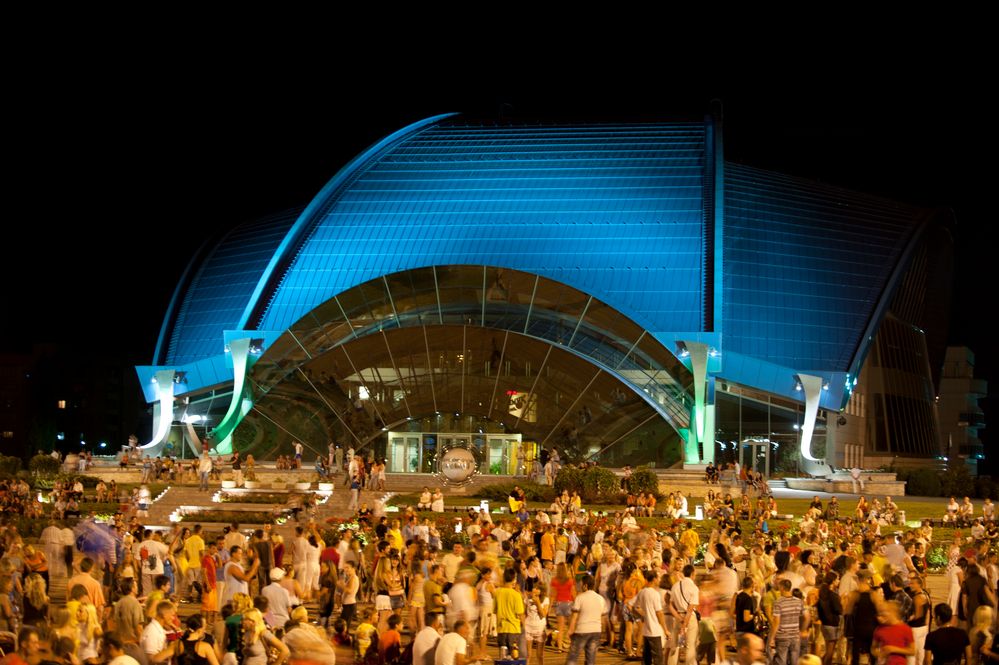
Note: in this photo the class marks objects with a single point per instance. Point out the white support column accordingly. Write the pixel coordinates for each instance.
(238, 407)
(699, 367)
(162, 411)
(812, 385)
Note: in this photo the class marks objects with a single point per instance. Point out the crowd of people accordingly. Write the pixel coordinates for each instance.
(402, 589)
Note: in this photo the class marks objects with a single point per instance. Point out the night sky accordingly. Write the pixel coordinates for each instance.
(120, 178)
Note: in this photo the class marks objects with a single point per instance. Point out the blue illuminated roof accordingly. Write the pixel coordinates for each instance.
(805, 266)
(220, 287)
(614, 210)
(624, 213)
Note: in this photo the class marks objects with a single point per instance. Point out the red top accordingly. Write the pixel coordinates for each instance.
(208, 568)
(896, 635)
(562, 591)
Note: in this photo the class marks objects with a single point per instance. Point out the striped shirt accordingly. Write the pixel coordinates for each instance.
(789, 610)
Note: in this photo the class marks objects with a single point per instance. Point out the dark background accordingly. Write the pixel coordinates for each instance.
(117, 178)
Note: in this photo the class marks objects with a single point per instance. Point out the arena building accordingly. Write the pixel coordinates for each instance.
(618, 292)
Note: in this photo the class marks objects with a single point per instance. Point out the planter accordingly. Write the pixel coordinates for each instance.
(252, 484)
(278, 485)
(303, 486)
(325, 487)
(228, 484)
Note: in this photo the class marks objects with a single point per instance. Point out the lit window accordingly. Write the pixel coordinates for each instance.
(8, 435)
(61, 404)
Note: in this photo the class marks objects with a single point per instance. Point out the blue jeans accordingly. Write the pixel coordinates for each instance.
(204, 480)
(786, 651)
(580, 641)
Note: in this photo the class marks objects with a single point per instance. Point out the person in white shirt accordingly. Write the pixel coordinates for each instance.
(684, 600)
(154, 637)
(204, 468)
(452, 648)
(278, 598)
(451, 561)
(51, 540)
(649, 606)
(425, 642)
(726, 581)
(740, 556)
(628, 522)
(300, 555)
(585, 625)
(152, 561)
(462, 605)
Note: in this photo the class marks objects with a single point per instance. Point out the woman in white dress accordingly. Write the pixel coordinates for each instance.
(955, 579)
(310, 586)
(437, 501)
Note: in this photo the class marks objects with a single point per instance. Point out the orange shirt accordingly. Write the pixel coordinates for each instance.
(548, 546)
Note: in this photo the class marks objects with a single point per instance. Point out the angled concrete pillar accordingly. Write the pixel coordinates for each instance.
(699, 367)
(238, 407)
(162, 412)
(812, 385)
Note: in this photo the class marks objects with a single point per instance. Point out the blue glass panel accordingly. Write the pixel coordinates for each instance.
(805, 266)
(221, 287)
(614, 210)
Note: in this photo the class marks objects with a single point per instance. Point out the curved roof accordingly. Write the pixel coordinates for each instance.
(625, 213)
(806, 266)
(216, 287)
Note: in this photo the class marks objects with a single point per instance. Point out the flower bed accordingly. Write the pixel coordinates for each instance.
(239, 516)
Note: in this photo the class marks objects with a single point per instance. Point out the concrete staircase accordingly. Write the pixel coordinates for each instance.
(190, 501)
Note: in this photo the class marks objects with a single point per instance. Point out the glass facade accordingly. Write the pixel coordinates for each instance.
(520, 391)
(416, 452)
(805, 266)
(762, 431)
(506, 302)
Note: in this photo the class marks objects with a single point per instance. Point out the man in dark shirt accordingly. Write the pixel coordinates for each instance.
(906, 607)
(975, 591)
(946, 644)
(745, 608)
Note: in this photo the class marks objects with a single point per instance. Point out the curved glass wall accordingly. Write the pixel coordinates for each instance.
(492, 298)
(455, 377)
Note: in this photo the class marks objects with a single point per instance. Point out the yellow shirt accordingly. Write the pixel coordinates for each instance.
(547, 546)
(880, 565)
(194, 547)
(690, 540)
(394, 536)
(509, 608)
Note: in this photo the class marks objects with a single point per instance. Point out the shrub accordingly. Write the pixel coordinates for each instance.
(923, 482)
(645, 480)
(9, 466)
(985, 487)
(936, 558)
(594, 484)
(44, 466)
(957, 480)
(89, 482)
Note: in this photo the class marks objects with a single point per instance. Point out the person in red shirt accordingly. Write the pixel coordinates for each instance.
(390, 641)
(893, 642)
(209, 594)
